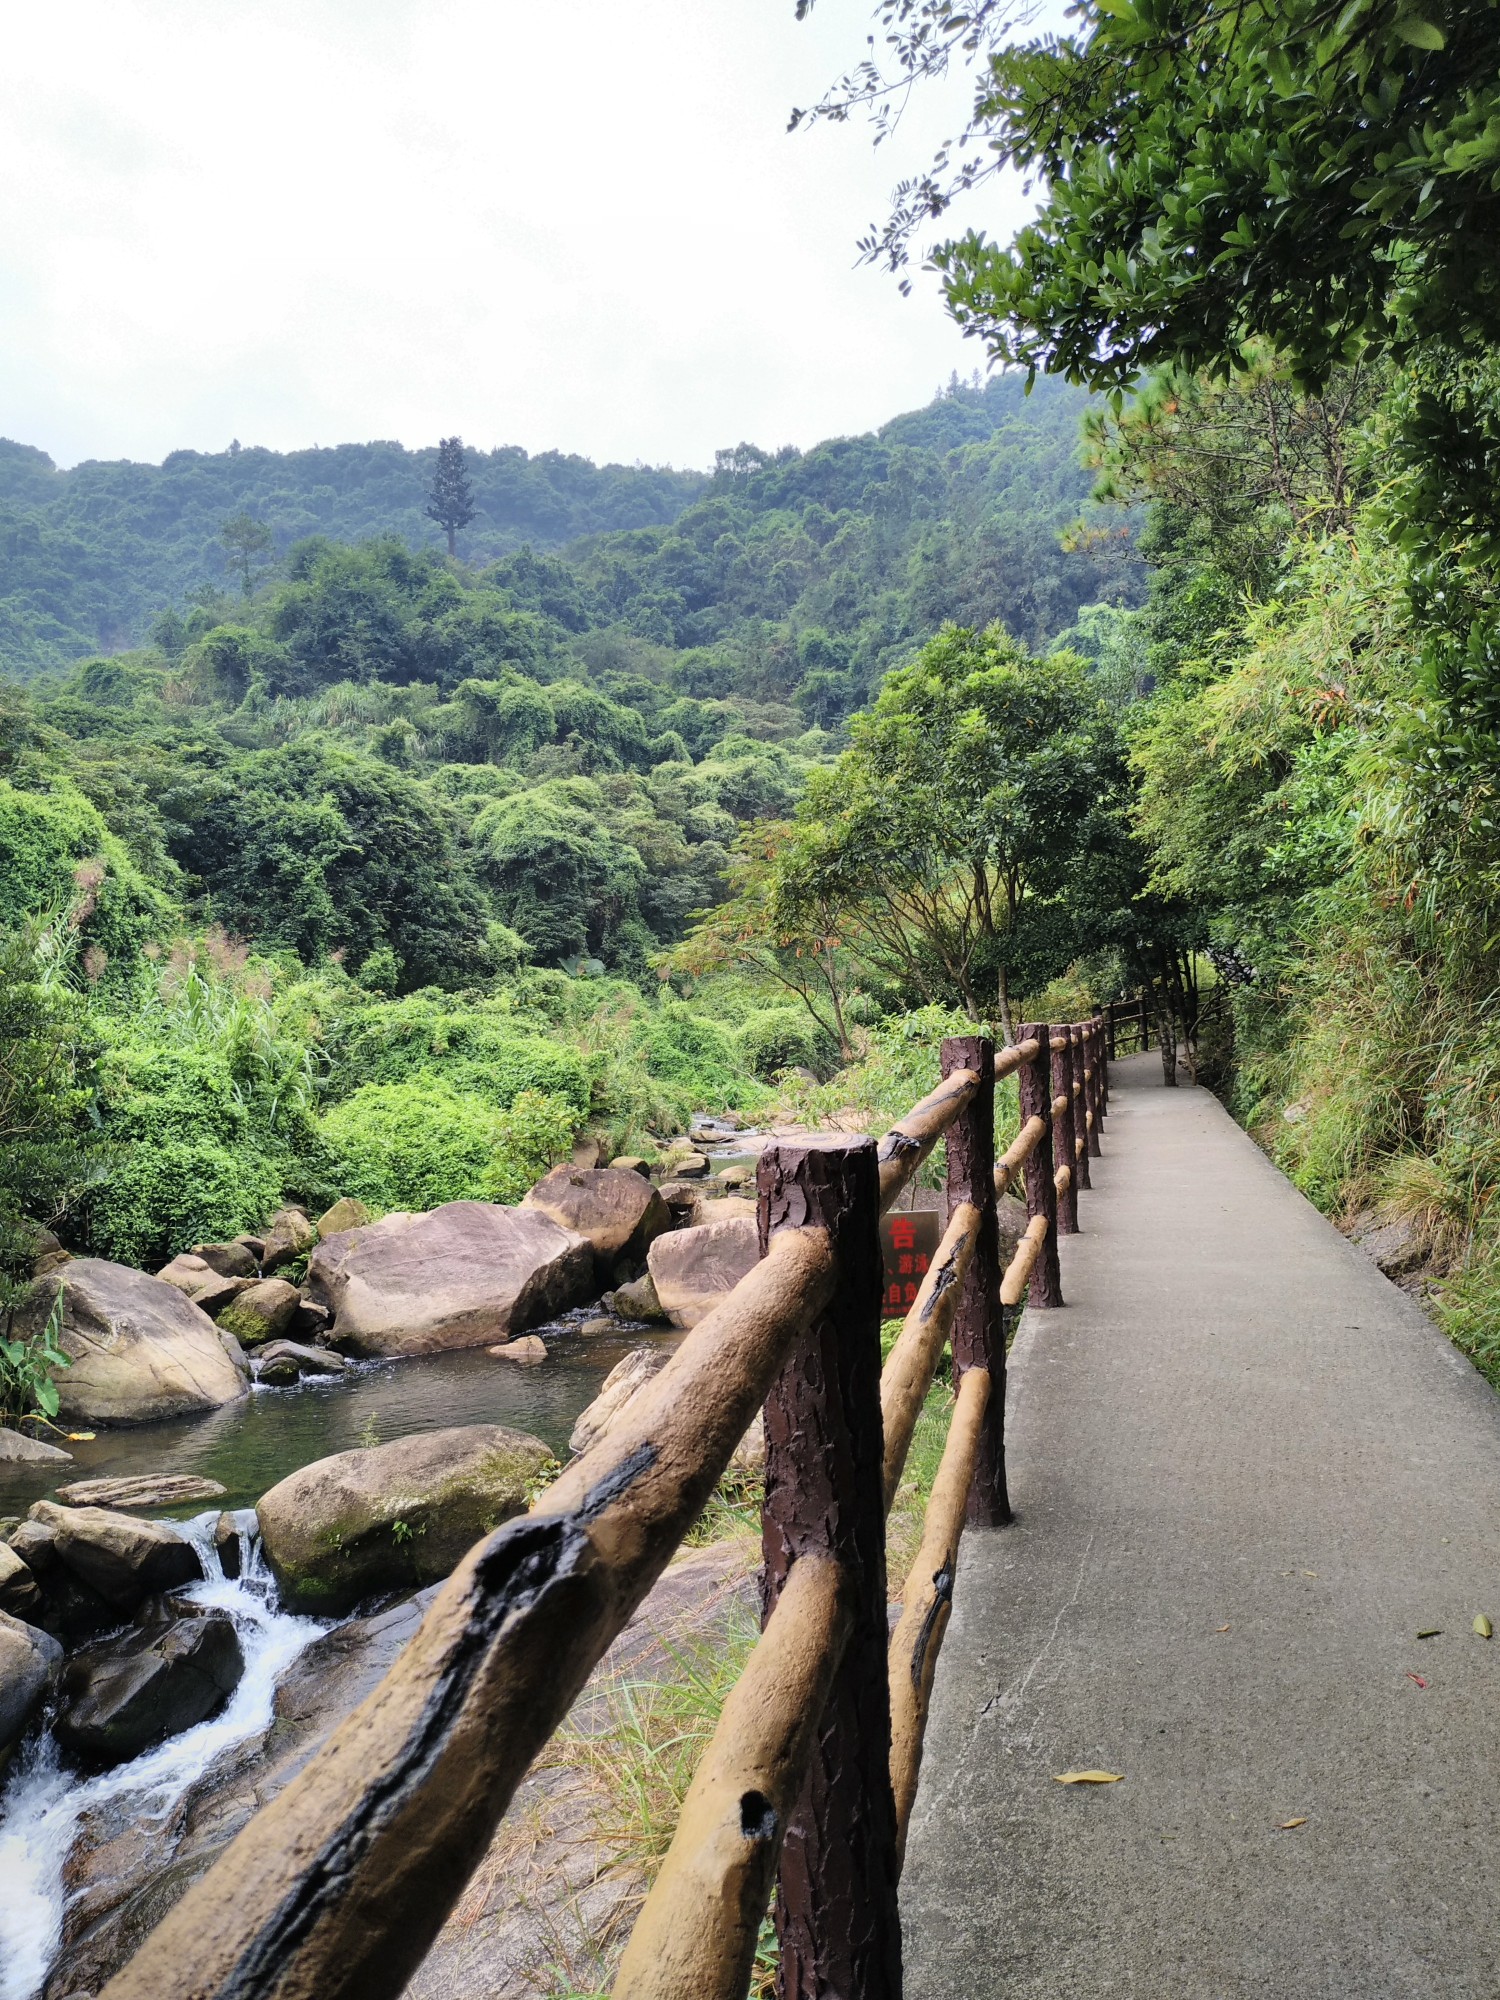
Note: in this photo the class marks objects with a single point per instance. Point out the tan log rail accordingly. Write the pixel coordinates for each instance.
(337, 1888)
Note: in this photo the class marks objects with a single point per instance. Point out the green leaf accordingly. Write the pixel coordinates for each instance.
(1420, 34)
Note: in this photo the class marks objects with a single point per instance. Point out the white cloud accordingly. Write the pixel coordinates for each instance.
(582, 226)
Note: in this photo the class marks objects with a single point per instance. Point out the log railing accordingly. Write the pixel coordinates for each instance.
(337, 1888)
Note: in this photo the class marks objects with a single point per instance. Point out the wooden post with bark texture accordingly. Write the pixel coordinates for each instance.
(1113, 1030)
(836, 1914)
(1102, 1056)
(1080, 1154)
(1093, 1088)
(978, 1336)
(1061, 1084)
(1035, 1082)
(1145, 1022)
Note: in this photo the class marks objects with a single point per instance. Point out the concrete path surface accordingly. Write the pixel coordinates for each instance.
(1247, 1472)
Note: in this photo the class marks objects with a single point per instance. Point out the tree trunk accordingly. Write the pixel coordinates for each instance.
(1005, 1017)
(1166, 1031)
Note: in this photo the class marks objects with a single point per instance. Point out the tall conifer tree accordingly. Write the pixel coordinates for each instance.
(451, 501)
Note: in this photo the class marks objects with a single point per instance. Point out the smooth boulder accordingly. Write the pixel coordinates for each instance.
(139, 1349)
(263, 1311)
(469, 1274)
(618, 1389)
(18, 1449)
(346, 1213)
(29, 1660)
(527, 1352)
(303, 1360)
(230, 1260)
(394, 1516)
(693, 1270)
(289, 1237)
(619, 1213)
(125, 1694)
(19, 1592)
(123, 1559)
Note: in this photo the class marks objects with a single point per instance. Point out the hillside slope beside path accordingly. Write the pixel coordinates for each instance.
(1238, 1423)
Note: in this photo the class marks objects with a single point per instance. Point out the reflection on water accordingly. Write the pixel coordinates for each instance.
(249, 1445)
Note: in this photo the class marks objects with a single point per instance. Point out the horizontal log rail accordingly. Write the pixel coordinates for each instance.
(337, 1888)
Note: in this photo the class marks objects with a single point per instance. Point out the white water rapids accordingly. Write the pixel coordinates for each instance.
(43, 1804)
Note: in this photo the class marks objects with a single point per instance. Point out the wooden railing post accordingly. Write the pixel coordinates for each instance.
(1062, 1086)
(978, 1335)
(1080, 1154)
(1034, 1080)
(1145, 1022)
(1114, 1035)
(836, 1913)
(1103, 1052)
(1093, 1087)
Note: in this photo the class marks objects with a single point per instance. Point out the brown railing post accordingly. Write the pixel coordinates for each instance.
(1035, 1083)
(1102, 1054)
(1063, 1053)
(978, 1335)
(1080, 1154)
(836, 1911)
(1093, 1086)
(1145, 1022)
(1113, 1030)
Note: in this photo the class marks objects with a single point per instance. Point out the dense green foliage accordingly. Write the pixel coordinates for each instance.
(356, 882)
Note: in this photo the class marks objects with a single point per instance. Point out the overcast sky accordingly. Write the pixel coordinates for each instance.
(580, 226)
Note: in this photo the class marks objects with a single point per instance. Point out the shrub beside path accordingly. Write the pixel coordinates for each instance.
(1248, 1475)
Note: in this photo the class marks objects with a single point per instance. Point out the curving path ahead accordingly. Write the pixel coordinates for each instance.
(1235, 1422)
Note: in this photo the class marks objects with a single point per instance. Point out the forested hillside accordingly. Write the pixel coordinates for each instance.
(90, 557)
(369, 877)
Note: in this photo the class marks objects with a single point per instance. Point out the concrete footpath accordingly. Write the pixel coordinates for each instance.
(1247, 1473)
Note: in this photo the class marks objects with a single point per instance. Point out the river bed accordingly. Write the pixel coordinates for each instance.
(249, 1445)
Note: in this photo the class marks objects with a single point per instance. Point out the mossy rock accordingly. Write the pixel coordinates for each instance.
(396, 1516)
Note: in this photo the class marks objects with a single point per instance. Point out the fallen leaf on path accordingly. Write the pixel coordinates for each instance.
(1483, 1627)
(1309, 1572)
(1221, 1628)
(1286, 1825)
(1418, 1679)
(1432, 1632)
(1089, 1778)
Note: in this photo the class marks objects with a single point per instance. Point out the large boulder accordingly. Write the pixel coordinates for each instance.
(123, 1559)
(125, 1694)
(393, 1517)
(263, 1311)
(693, 1270)
(619, 1213)
(289, 1237)
(468, 1274)
(139, 1349)
(29, 1660)
(162, 1489)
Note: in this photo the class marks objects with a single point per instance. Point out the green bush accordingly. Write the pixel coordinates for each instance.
(158, 1197)
(781, 1038)
(419, 1143)
(680, 1047)
(478, 1051)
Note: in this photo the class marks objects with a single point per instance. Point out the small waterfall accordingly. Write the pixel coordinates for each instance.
(43, 1803)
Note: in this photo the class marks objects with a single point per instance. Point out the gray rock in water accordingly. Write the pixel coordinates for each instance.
(637, 1301)
(263, 1311)
(29, 1660)
(395, 1516)
(139, 1348)
(167, 1489)
(693, 1270)
(20, 1594)
(302, 1360)
(17, 1449)
(618, 1389)
(125, 1694)
(122, 1559)
(468, 1274)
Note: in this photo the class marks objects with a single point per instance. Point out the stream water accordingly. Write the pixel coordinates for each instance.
(44, 1803)
(247, 1447)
